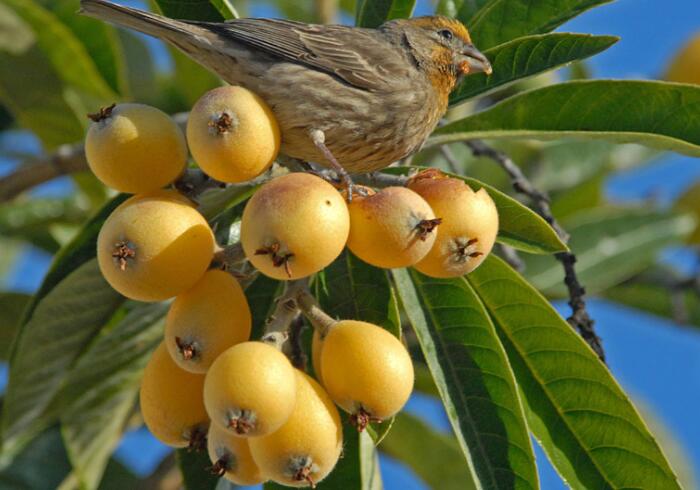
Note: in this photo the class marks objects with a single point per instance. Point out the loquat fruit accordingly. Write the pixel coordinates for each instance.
(306, 448)
(231, 458)
(154, 246)
(135, 148)
(392, 228)
(233, 134)
(250, 389)
(468, 229)
(685, 66)
(366, 370)
(294, 226)
(206, 320)
(171, 402)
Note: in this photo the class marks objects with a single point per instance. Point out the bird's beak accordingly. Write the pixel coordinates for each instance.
(471, 60)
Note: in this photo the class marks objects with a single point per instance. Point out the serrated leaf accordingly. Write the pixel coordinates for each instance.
(373, 13)
(498, 21)
(61, 325)
(436, 458)
(668, 119)
(611, 245)
(584, 421)
(472, 374)
(101, 389)
(519, 226)
(528, 56)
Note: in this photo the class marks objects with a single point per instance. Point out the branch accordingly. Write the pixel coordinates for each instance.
(326, 11)
(579, 319)
(67, 159)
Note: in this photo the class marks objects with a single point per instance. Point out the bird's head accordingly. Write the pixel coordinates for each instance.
(442, 47)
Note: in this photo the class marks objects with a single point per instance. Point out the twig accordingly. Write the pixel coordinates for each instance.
(451, 159)
(287, 308)
(67, 159)
(511, 256)
(326, 11)
(579, 319)
(294, 344)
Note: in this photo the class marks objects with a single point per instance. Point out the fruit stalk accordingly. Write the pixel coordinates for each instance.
(320, 320)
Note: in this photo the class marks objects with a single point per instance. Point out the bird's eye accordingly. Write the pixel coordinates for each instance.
(446, 34)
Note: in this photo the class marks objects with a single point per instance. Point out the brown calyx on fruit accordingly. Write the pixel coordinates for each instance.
(197, 439)
(304, 472)
(188, 350)
(463, 249)
(223, 124)
(278, 259)
(104, 113)
(241, 421)
(221, 466)
(426, 226)
(123, 251)
(362, 418)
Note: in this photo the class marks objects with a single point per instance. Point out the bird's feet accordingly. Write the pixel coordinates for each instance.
(319, 139)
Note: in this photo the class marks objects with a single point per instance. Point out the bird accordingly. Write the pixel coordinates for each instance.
(350, 98)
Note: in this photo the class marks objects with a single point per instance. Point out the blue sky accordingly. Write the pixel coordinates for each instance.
(656, 361)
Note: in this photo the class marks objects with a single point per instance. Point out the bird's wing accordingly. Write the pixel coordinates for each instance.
(348, 53)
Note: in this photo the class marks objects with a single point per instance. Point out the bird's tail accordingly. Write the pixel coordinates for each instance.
(139, 20)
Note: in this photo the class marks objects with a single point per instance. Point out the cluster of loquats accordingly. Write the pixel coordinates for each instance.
(208, 384)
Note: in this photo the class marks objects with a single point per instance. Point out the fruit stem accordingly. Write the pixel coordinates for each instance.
(286, 309)
(227, 257)
(320, 320)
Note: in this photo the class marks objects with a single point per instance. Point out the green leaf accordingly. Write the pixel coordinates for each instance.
(529, 56)
(60, 326)
(461, 9)
(194, 468)
(519, 226)
(261, 295)
(41, 465)
(668, 118)
(498, 21)
(99, 39)
(204, 10)
(140, 69)
(475, 381)
(611, 245)
(436, 458)
(373, 13)
(102, 387)
(66, 54)
(658, 300)
(584, 421)
(12, 306)
(689, 202)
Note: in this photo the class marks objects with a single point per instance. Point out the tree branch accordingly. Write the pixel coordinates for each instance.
(579, 319)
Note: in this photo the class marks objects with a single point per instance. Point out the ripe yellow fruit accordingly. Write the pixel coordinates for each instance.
(685, 67)
(306, 448)
(316, 347)
(366, 370)
(250, 390)
(468, 229)
(393, 228)
(233, 134)
(206, 320)
(294, 226)
(135, 148)
(154, 246)
(231, 458)
(171, 402)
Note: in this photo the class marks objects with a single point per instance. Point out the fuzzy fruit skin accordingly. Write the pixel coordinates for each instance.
(212, 316)
(171, 400)
(466, 215)
(172, 245)
(305, 215)
(242, 470)
(365, 366)
(243, 151)
(685, 67)
(313, 431)
(255, 377)
(383, 228)
(136, 149)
